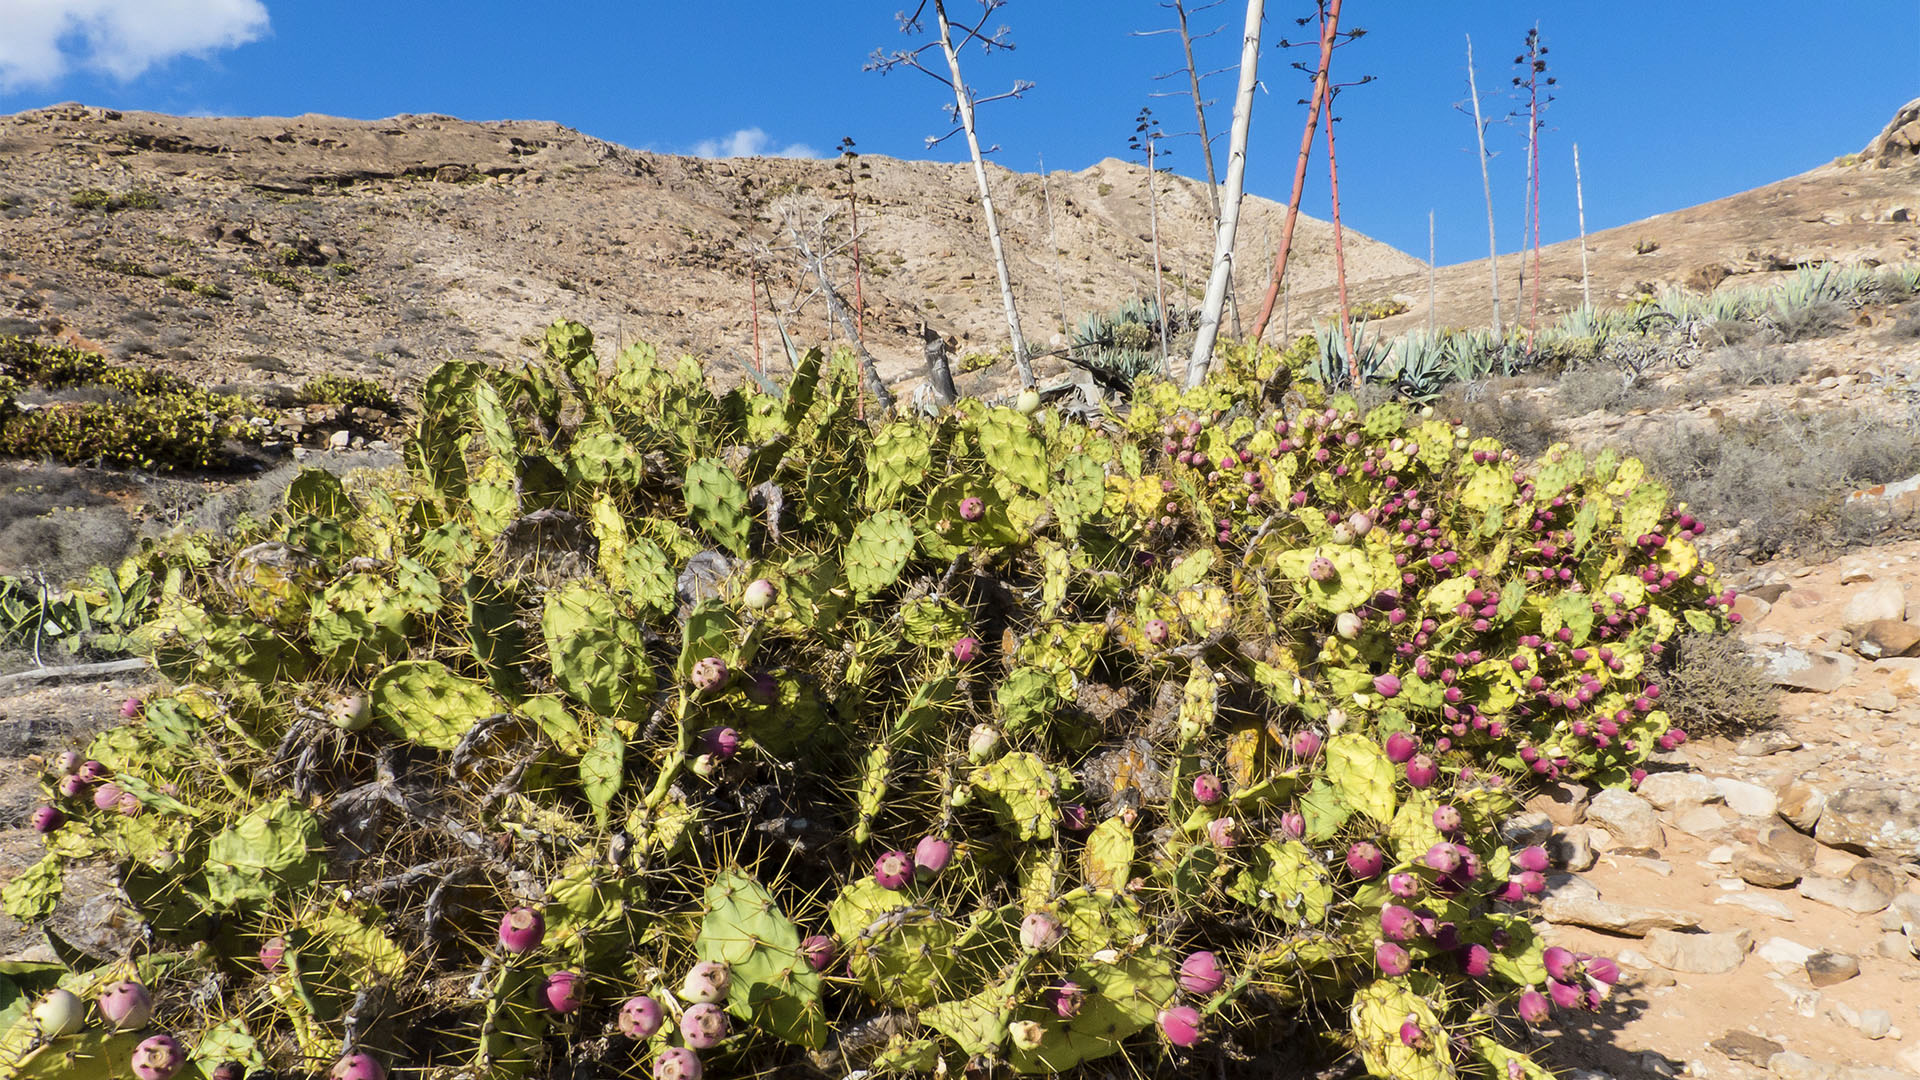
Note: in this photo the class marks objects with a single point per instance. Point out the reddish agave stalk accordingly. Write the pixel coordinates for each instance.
(1329, 25)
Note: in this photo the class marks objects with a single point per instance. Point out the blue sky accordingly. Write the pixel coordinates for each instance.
(1672, 103)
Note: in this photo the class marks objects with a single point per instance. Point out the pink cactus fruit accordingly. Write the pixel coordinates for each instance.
(763, 688)
(128, 804)
(1200, 973)
(966, 650)
(106, 796)
(676, 1063)
(1411, 1034)
(60, 1013)
(1387, 686)
(1040, 932)
(1224, 832)
(1403, 885)
(1294, 824)
(1306, 745)
(522, 930)
(46, 819)
(1534, 1007)
(1391, 959)
(930, 856)
(1446, 818)
(972, 509)
(703, 1025)
(1603, 970)
(68, 763)
(1532, 858)
(130, 708)
(1067, 999)
(1322, 569)
(1074, 818)
(893, 869)
(565, 991)
(709, 674)
(640, 1017)
(721, 742)
(707, 982)
(157, 1058)
(1476, 961)
(1365, 860)
(228, 1070)
(1442, 857)
(1207, 789)
(1157, 631)
(72, 787)
(91, 771)
(272, 951)
(1180, 1024)
(1399, 923)
(1401, 747)
(358, 1067)
(125, 1005)
(1422, 772)
(818, 951)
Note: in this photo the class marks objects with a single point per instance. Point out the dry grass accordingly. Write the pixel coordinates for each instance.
(1713, 686)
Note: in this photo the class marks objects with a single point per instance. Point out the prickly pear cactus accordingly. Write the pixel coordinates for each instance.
(636, 728)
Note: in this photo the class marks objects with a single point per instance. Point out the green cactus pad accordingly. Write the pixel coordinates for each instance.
(598, 656)
(1353, 582)
(1377, 1012)
(275, 847)
(423, 702)
(773, 986)
(1019, 788)
(881, 547)
(717, 504)
(1362, 775)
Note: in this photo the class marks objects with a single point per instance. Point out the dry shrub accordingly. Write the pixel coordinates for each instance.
(1616, 391)
(1758, 366)
(1714, 685)
(1501, 410)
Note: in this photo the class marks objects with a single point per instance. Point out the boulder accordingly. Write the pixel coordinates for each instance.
(1887, 637)
(1881, 818)
(1801, 805)
(1880, 601)
(1597, 914)
(1629, 818)
(1826, 968)
(1677, 790)
(1747, 800)
(1700, 954)
(1797, 669)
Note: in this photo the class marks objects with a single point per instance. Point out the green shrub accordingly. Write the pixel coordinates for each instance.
(686, 672)
(339, 390)
(99, 199)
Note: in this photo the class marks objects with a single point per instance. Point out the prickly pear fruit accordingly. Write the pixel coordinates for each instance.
(703, 1025)
(1602, 970)
(1294, 824)
(1207, 789)
(677, 1063)
(128, 804)
(106, 796)
(1476, 961)
(1067, 999)
(59, 1013)
(1387, 686)
(1401, 747)
(1446, 818)
(271, 952)
(1404, 886)
(1027, 1034)
(707, 982)
(982, 742)
(640, 1017)
(972, 509)
(893, 870)
(1443, 857)
(709, 674)
(1399, 923)
(130, 708)
(1223, 832)
(358, 1067)
(564, 992)
(722, 742)
(1365, 860)
(522, 930)
(1322, 569)
(763, 689)
(1200, 973)
(91, 771)
(818, 951)
(228, 1070)
(351, 713)
(1348, 625)
(930, 856)
(1027, 403)
(1560, 963)
(758, 594)
(1391, 959)
(47, 818)
(966, 650)
(157, 1058)
(1422, 772)
(1156, 631)
(1566, 995)
(1532, 858)
(72, 787)
(67, 763)
(125, 1005)
(1180, 1024)
(1040, 931)
(1411, 1035)
(1360, 523)
(1534, 1007)
(1306, 745)
(1074, 818)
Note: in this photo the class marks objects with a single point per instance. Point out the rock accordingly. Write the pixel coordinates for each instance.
(1801, 805)
(1564, 803)
(1762, 904)
(1826, 968)
(1784, 952)
(1628, 817)
(1882, 601)
(1705, 822)
(1597, 914)
(1874, 1023)
(1788, 1065)
(1886, 637)
(1526, 828)
(1700, 954)
(1859, 897)
(1881, 818)
(1909, 1059)
(1895, 945)
(1788, 846)
(1751, 608)
(340, 440)
(1797, 669)
(1746, 1047)
(1677, 790)
(1805, 1002)
(1762, 868)
(1720, 856)
(1763, 743)
(1879, 701)
(1747, 800)
(1654, 866)
(1879, 875)
(1572, 849)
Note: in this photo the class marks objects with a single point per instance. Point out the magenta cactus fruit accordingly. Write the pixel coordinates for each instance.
(966, 650)
(1401, 747)
(271, 952)
(1040, 931)
(125, 1005)
(1560, 963)
(1422, 772)
(128, 804)
(1223, 832)
(130, 708)
(72, 787)
(1476, 961)
(1294, 824)
(703, 1025)
(1532, 858)
(522, 930)
(1442, 857)
(564, 991)
(972, 509)
(351, 713)
(358, 1067)
(1322, 569)
(1446, 818)
(722, 742)
(1399, 923)
(818, 951)
(106, 796)
(709, 674)
(1411, 1035)
(1405, 886)
(640, 1017)
(1534, 1007)
(1361, 523)
(893, 870)
(68, 763)
(1566, 995)
(1365, 860)
(157, 1058)
(759, 594)
(228, 1070)
(47, 818)
(60, 1013)
(1074, 818)
(707, 981)
(91, 771)
(1387, 686)
(1207, 789)
(930, 856)
(1156, 631)
(1067, 999)
(677, 1063)
(1391, 959)
(1200, 973)
(1306, 744)
(1180, 1024)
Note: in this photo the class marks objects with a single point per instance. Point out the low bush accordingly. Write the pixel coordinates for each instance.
(1610, 389)
(1761, 366)
(340, 390)
(1715, 686)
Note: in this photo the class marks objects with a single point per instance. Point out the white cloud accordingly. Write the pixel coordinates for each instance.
(747, 142)
(44, 39)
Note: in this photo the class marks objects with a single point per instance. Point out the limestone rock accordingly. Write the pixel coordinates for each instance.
(1784, 952)
(1746, 1047)
(1628, 817)
(1788, 1065)
(1763, 868)
(1887, 637)
(1597, 914)
(1761, 904)
(1789, 846)
(1572, 849)
(1747, 800)
(1700, 954)
(1881, 601)
(1763, 743)
(1881, 818)
(1859, 897)
(1677, 790)
(1563, 802)
(1798, 669)
(1826, 969)
(1801, 805)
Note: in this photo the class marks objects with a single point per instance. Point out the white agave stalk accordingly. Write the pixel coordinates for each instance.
(1223, 241)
